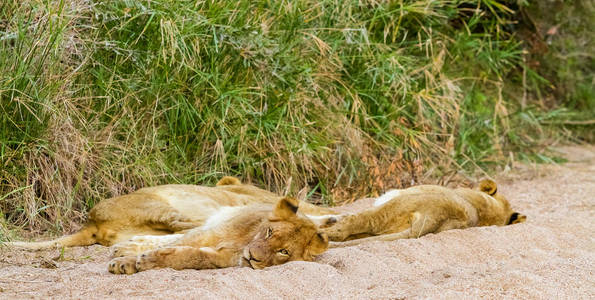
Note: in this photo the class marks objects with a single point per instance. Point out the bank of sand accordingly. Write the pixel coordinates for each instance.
(549, 257)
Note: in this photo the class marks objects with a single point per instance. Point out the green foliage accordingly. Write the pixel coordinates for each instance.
(568, 61)
(340, 99)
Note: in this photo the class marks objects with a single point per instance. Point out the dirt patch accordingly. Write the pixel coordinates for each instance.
(552, 255)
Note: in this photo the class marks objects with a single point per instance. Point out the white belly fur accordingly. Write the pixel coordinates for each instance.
(222, 215)
(387, 197)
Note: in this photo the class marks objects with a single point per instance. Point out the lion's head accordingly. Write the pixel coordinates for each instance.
(512, 217)
(284, 237)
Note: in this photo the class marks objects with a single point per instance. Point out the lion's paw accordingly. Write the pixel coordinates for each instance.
(335, 233)
(325, 220)
(123, 265)
(330, 221)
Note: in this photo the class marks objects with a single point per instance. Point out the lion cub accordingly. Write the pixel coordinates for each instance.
(419, 210)
(256, 236)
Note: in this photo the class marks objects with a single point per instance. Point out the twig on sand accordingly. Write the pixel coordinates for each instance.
(25, 281)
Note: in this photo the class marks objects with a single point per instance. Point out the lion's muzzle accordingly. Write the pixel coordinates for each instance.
(248, 260)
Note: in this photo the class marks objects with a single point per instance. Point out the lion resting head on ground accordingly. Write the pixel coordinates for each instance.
(420, 210)
(256, 236)
(503, 214)
(284, 236)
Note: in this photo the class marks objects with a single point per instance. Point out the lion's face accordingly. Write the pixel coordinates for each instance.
(512, 217)
(284, 237)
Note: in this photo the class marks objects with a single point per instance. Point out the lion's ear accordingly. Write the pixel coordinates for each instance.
(488, 186)
(229, 180)
(318, 245)
(286, 208)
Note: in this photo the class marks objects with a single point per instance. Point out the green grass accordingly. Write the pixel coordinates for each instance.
(341, 99)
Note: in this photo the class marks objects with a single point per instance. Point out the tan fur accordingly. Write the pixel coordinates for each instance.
(257, 236)
(424, 209)
(161, 210)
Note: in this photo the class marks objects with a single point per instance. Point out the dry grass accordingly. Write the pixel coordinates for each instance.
(331, 100)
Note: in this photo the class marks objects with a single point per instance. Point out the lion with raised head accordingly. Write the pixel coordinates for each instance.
(419, 210)
(257, 236)
(164, 210)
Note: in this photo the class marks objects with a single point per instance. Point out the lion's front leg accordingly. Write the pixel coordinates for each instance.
(185, 257)
(143, 243)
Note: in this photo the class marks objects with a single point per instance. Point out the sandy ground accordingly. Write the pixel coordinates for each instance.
(551, 256)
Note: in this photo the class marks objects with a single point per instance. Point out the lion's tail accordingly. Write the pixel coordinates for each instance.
(84, 237)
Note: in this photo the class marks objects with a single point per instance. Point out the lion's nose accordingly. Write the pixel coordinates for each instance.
(252, 256)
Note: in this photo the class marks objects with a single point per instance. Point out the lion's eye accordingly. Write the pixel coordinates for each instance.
(269, 232)
(284, 252)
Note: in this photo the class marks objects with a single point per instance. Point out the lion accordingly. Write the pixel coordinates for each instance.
(164, 210)
(256, 236)
(419, 210)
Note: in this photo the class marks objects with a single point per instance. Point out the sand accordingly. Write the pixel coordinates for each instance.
(551, 256)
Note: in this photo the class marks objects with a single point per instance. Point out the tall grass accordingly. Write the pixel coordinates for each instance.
(332, 100)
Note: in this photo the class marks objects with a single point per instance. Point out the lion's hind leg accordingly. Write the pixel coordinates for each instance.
(84, 237)
(452, 224)
(148, 210)
(142, 243)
